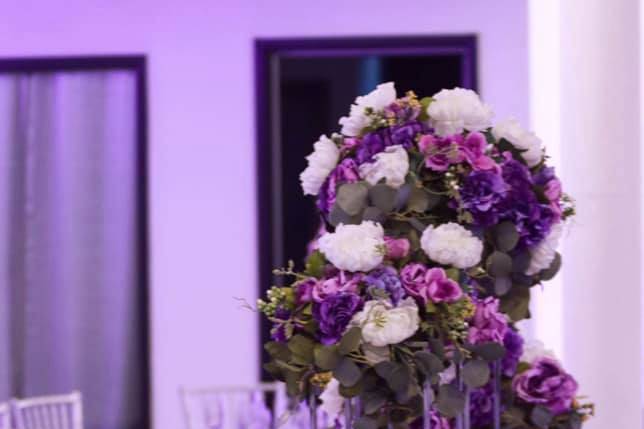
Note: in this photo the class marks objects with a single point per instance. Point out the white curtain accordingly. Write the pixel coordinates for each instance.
(70, 290)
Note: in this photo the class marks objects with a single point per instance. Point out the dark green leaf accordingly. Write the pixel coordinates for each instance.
(327, 357)
(489, 351)
(437, 347)
(424, 103)
(347, 372)
(476, 373)
(314, 266)
(385, 369)
(428, 363)
(352, 198)
(351, 391)
(383, 197)
(541, 416)
(373, 401)
(502, 285)
(402, 196)
(499, 264)
(418, 200)
(365, 422)
(399, 379)
(293, 386)
(552, 270)
(337, 216)
(273, 369)
(374, 214)
(418, 225)
(450, 401)
(521, 261)
(516, 303)
(302, 348)
(505, 236)
(350, 341)
(277, 350)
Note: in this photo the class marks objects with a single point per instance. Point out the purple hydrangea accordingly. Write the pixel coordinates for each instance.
(482, 193)
(405, 135)
(482, 406)
(546, 384)
(488, 323)
(385, 280)
(345, 172)
(377, 141)
(513, 344)
(334, 314)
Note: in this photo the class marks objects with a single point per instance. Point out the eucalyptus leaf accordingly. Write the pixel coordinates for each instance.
(314, 265)
(505, 236)
(350, 341)
(450, 401)
(384, 197)
(293, 386)
(489, 351)
(399, 379)
(552, 270)
(374, 214)
(428, 363)
(502, 285)
(476, 373)
(402, 196)
(437, 347)
(338, 216)
(419, 200)
(418, 225)
(373, 401)
(347, 372)
(352, 197)
(516, 303)
(302, 348)
(541, 416)
(327, 357)
(351, 391)
(365, 422)
(499, 264)
(384, 369)
(278, 350)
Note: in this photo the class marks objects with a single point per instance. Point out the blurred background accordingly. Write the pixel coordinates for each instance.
(149, 154)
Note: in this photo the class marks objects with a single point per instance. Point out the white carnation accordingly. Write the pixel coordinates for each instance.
(458, 109)
(534, 350)
(321, 162)
(391, 165)
(354, 247)
(332, 401)
(451, 244)
(542, 255)
(383, 324)
(377, 100)
(526, 141)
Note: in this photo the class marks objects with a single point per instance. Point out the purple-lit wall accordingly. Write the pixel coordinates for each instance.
(202, 140)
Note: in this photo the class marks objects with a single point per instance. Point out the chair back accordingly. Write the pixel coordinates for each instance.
(5, 416)
(49, 412)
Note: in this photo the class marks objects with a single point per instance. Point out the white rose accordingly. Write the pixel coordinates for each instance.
(332, 401)
(377, 100)
(542, 255)
(458, 109)
(321, 162)
(451, 244)
(382, 324)
(392, 165)
(534, 350)
(511, 130)
(354, 247)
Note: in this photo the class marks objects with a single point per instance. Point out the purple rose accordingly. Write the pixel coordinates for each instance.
(473, 148)
(371, 144)
(482, 406)
(334, 314)
(488, 324)
(482, 194)
(385, 280)
(516, 174)
(513, 344)
(405, 135)
(345, 172)
(397, 248)
(430, 284)
(342, 282)
(440, 152)
(546, 384)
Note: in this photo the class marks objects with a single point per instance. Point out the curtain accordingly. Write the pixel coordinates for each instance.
(70, 275)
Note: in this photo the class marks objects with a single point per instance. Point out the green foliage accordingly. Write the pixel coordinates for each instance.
(552, 270)
(541, 417)
(428, 363)
(352, 197)
(505, 236)
(347, 372)
(327, 357)
(516, 303)
(450, 401)
(476, 373)
(489, 351)
(351, 340)
(314, 265)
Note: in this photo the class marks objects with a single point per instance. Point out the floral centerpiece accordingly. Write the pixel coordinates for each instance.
(437, 224)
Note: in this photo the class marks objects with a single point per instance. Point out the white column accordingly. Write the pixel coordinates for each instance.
(600, 155)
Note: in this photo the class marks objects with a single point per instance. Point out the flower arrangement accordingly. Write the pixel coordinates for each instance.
(437, 224)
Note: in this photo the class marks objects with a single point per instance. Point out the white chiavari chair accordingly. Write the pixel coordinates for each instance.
(49, 412)
(5, 416)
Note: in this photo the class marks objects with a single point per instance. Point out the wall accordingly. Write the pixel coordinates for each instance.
(201, 140)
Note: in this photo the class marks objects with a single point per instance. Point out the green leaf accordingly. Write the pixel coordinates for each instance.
(374, 214)
(552, 270)
(499, 264)
(489, 351)
(437, 347)
(315, 263)
(350, 341)
(338, 216)
(327, 357)
(273, 369)
(352, 198)
(424, 103)
(453, 274)
(418, 225)
(428, 363)
(476, 373)
(402, 196)
(399, 379)
(279, 351)
(302, 349)
(351, 391)
(505, 236)
(418, 200)
(502, 285)
(347, 372)
(450, 401)
(383, 197)
(293, 385)
(541, 416)
(365, 422)
(516, 303)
